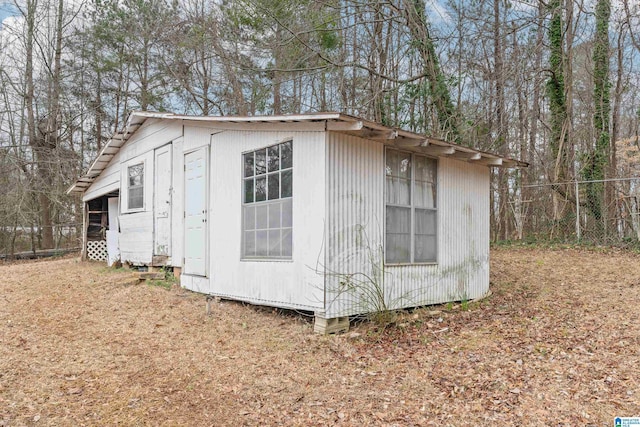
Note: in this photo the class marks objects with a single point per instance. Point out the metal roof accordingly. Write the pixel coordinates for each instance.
(334, 122)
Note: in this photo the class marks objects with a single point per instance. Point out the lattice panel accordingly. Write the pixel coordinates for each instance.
(97, 250)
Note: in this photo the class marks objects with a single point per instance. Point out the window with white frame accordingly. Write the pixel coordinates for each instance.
(135, 186)
(410, 208)
(267, 202)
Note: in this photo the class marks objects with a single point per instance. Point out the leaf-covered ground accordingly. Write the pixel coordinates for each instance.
(558, 343)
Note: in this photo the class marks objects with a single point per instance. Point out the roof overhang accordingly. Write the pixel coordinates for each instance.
(334, 122)
(109, 150)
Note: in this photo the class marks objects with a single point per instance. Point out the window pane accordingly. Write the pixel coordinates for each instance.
(398, 234)
(274, 242)
(398, 220)
(434, 194)
(248, 164)
(286, 242)
(403, 191)
(249, 243)
(425, 194)
(286, 155)
(261, 162)
(404, 165)
(262, 243)
(391, 167)
(249, 217)
(425, 248)
(136, 175)
(389, 190)
(397, 248)
(425, 169)
(248, 190)
(287, 184)
(261, 189)
(274, 215)
(273, 159)
(425, 235)
(425, 221)
(136, 199)
(287, 213)
(274, 186)
(398, 191)
(262, 216)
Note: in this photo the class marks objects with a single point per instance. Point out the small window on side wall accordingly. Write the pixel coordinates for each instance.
(135, 186)
(410, 208)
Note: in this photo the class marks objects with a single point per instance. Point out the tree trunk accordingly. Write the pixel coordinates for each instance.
(500, 123)
(616, 206)
(599, 158)
(556, 92)
(531, 173)
(419, 28)
(277, 75)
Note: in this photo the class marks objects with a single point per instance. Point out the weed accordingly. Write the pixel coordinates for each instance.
(368, 287)
(165, 284)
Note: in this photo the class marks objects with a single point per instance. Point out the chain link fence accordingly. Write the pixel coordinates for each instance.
(603, 212)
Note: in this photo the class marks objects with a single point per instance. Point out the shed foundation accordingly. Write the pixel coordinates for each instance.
(330, 326)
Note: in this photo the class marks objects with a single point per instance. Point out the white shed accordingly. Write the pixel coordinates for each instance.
(323, 212)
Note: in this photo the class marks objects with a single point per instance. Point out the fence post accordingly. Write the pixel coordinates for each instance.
(577, 211)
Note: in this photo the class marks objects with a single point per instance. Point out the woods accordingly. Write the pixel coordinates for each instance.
(551, 83)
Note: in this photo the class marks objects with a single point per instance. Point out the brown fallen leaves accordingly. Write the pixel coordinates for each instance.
(558, 343)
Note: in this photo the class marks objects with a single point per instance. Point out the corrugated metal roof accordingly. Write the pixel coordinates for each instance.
(334, 122)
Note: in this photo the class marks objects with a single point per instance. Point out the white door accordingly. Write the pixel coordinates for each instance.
(195, 212)
(162, 202)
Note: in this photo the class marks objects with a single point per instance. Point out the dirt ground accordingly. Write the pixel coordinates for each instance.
(558, 343)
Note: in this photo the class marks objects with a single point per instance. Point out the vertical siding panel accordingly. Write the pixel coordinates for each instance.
(356, 187)
(291, 283)
(354, 206)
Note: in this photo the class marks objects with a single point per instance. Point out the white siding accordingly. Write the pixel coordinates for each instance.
(462, 272)
(287, 283)
(196, 137)
(151, 135)
(136, 237)
(154, 133)
(136, 228)
(354, 230)
(107, 181)
(355, 198)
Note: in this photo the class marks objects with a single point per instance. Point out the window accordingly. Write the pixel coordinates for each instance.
(135, 186)
(410, 208)
(267, 202)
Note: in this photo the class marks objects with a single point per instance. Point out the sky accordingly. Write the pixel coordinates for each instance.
(7, 9)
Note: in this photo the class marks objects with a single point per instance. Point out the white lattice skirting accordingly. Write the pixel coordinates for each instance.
(97, 250)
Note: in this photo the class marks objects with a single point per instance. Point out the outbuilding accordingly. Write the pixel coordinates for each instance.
(325, 212)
